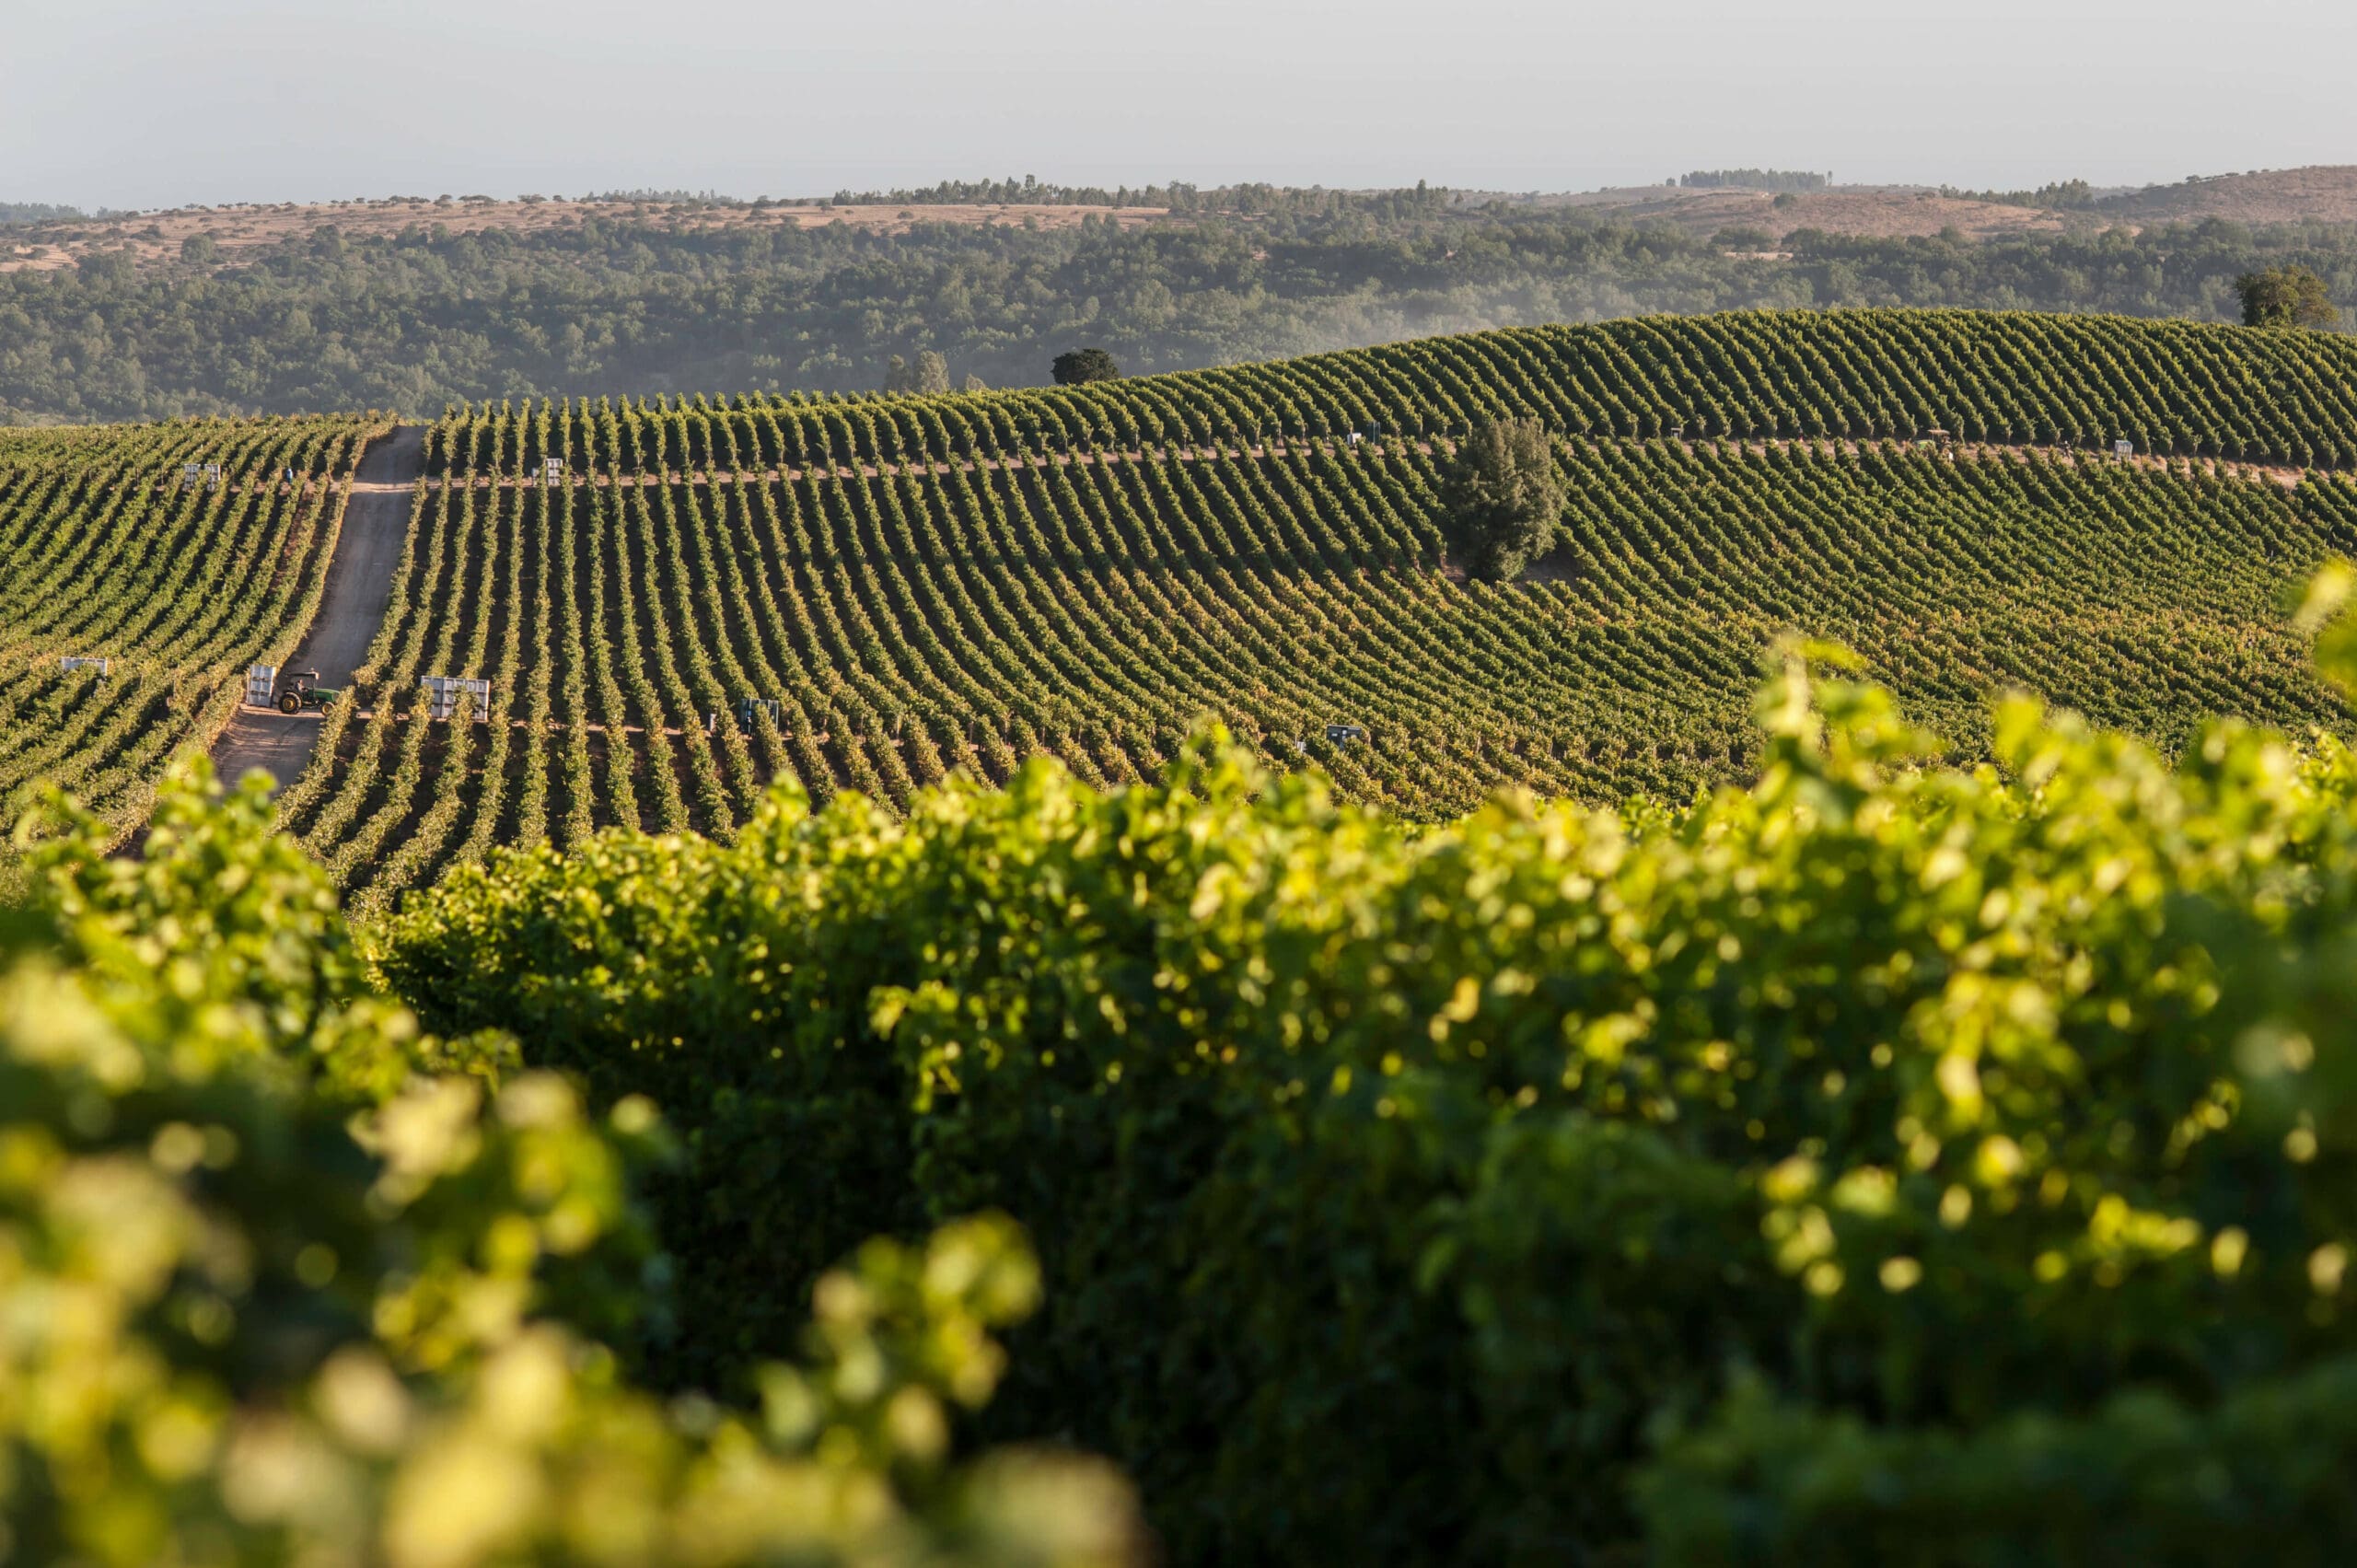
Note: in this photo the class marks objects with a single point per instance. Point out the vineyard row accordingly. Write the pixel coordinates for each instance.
(906, 624)
(105, 556)
(2167, 387)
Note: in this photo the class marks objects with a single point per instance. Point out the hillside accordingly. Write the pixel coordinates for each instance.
(869, 593)
(239, 231)
(2317, 194)
(409, 305)
(1891, 212)
(110, 550)
(234, 231)
(917, 621)
(2322, 193)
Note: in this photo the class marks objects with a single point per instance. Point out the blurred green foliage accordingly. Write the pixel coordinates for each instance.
(282, 1281)
(1885, 1163)
(1881, 1163)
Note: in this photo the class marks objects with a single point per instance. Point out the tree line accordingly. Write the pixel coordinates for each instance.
(413, 320)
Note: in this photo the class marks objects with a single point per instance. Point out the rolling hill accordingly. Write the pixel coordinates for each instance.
(167, 582)
(867, 594)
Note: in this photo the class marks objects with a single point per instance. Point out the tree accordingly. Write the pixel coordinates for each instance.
(2285, 296)
(1086, 365)
(1503, 497)
(973, 383)
(929, 376)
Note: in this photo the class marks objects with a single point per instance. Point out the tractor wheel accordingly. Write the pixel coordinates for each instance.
(290, 703)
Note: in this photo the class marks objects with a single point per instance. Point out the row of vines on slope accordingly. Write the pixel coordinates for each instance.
(930, 617)
(2169, 388)
(111, 549)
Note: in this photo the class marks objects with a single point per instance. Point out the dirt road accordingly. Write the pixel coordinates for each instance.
(359, 588)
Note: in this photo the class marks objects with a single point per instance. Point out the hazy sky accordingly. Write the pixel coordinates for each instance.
(157, 102)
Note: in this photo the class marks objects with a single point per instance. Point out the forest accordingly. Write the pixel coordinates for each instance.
(414, 320)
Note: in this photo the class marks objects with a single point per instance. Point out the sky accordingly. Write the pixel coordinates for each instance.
(148, 103)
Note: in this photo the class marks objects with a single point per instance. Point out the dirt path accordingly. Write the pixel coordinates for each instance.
(359, 588)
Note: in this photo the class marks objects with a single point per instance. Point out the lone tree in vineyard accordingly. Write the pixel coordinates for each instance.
(1504, 498)
(929, 376)
(2285, 296)
(1086, 365)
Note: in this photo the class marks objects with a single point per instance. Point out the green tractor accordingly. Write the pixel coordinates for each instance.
(300, 689)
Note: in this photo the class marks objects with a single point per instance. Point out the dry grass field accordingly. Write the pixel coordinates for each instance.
(151, 237)
(1871, 212)
(2325, 194)
(2321, 194)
